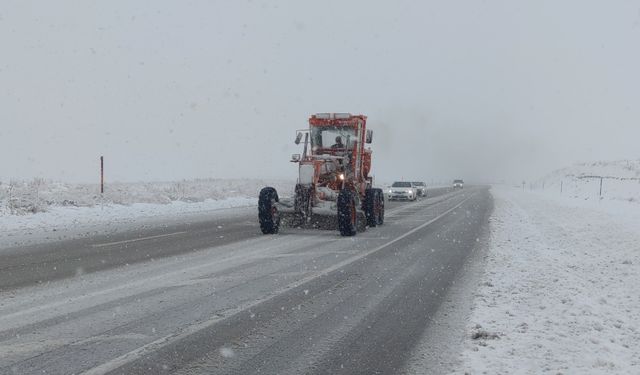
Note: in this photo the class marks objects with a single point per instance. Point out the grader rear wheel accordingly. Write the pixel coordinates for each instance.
(380, 206)
(303, 202)
(371, 205)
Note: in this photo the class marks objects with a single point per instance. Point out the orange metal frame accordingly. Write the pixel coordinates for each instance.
(364, 167)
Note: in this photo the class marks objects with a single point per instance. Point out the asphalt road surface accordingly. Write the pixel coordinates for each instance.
(217, 297)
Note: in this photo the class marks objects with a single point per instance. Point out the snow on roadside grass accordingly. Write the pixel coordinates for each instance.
(144, 205)
(559, 294)
(38, 195)
(60, 223)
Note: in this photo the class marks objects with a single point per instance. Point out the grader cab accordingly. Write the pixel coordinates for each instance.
(334, 187)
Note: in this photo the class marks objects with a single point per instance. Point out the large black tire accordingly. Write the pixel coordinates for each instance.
(370, 207)
(268, 214)
(347, 215)
(380, 201)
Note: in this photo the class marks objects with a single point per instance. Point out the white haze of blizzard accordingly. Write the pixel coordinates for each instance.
(478, 90)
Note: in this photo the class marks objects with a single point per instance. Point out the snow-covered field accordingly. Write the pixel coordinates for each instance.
(620, 181)
(38, 211)
(560, 291)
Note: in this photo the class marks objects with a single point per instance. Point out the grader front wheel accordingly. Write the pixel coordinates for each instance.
(347, 215)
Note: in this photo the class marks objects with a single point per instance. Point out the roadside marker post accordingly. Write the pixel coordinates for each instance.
(101, 174)
(600, 187)
(101, 183)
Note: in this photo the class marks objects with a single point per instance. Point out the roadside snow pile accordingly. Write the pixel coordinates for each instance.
(40, 211)
(38, 195)
(560, 290)
(620, 181)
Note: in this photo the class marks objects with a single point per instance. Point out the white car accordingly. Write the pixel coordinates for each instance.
(458, 184)
(421, 188)
(402, 190)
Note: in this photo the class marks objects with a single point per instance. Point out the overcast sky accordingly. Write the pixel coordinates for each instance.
(183, 89)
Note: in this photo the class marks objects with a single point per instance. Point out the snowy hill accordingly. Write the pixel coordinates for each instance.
(618, 169)
(620, 181)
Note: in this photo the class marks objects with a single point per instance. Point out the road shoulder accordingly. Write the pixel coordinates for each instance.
(68, 223)
(559, 291)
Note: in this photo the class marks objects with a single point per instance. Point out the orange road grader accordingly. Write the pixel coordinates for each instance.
(334, 189)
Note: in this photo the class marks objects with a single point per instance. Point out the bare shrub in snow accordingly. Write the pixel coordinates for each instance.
(484, 335)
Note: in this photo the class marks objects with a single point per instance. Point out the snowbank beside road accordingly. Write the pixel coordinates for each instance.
(38, 195)
(141, 205)
(60, 223)
(559, 294)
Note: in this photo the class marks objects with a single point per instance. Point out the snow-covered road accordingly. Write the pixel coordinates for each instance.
(303, 301)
